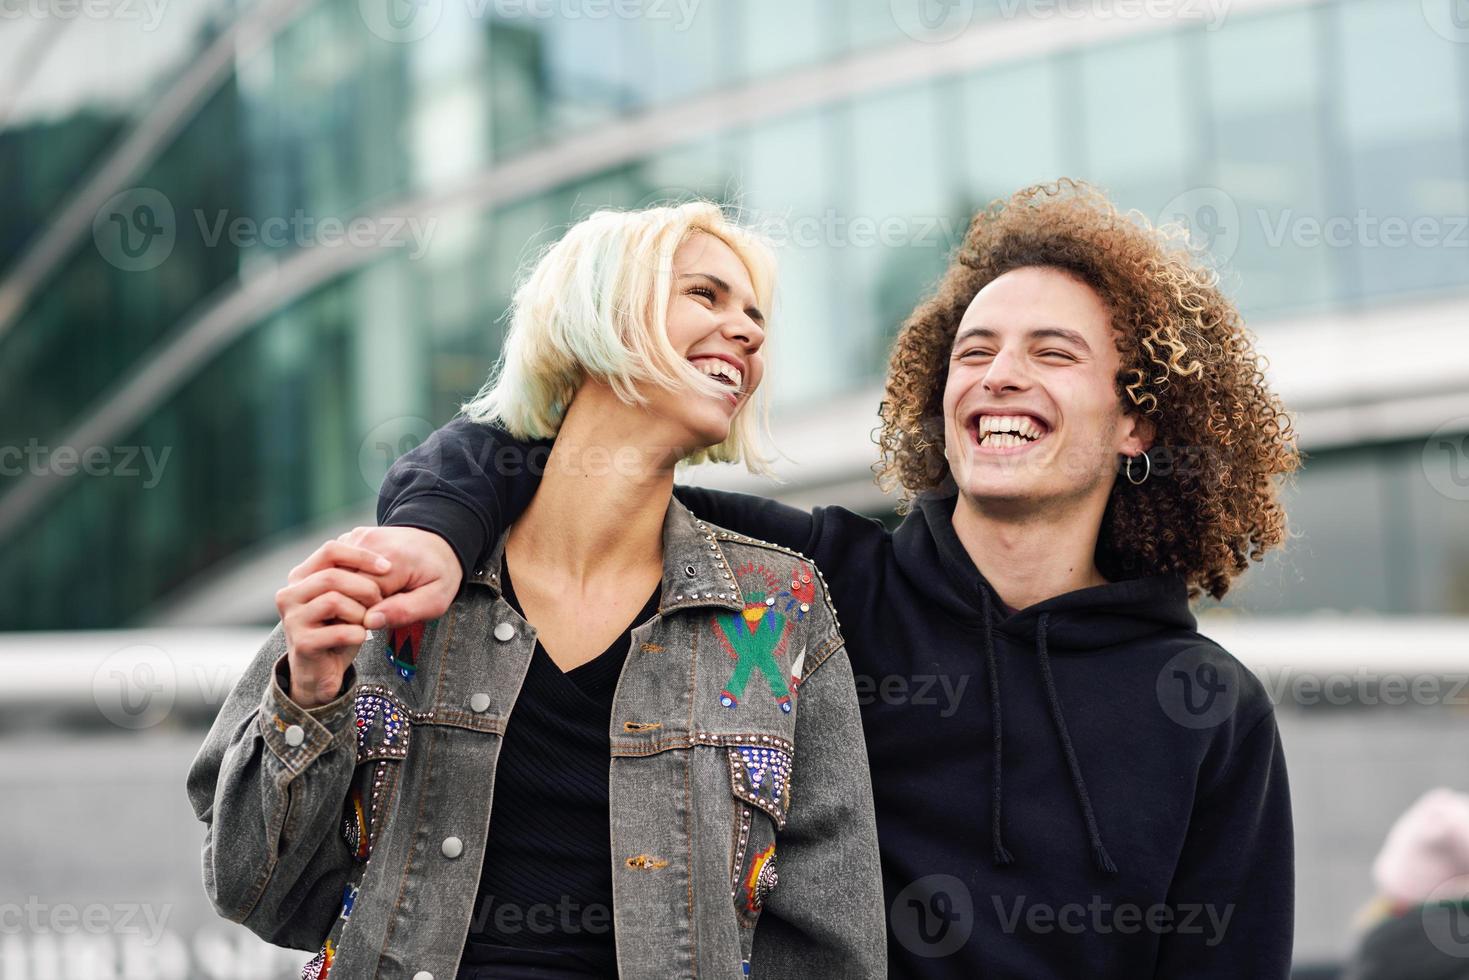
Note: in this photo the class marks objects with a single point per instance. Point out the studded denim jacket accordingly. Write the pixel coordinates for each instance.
(743, 837)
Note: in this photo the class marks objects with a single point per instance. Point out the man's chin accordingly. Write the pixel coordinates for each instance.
(1000, 492)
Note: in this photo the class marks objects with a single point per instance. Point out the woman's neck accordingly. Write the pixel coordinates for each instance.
(600, 507)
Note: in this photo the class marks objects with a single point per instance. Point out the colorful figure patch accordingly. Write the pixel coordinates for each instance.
(755, 639)
(403, 647)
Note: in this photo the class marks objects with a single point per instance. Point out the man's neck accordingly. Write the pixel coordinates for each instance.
(1034, 554)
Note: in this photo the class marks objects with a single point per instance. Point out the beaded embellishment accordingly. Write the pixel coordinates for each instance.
(382, 731)
(760, 775)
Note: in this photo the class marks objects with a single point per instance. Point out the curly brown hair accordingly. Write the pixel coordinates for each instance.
(1224, 441)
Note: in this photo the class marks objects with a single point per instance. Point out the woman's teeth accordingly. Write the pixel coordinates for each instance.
(715, 367)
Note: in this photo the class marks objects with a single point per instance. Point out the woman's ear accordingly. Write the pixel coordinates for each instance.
(1138, 432)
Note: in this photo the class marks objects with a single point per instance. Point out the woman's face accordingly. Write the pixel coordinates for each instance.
(714, 322)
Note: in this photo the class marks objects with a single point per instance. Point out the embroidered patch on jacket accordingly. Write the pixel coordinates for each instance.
(760, 880)
(761, 776)
(382, 731)
(349, 901)
(755, 639)
(321, 964)
(403, 648)
(354, 826)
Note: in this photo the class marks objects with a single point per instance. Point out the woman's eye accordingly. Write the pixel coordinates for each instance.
(703, 291)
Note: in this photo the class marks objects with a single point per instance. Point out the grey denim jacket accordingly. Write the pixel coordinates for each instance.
(743, 837)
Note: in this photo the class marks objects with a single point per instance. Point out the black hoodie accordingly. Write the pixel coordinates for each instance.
(1084, 788)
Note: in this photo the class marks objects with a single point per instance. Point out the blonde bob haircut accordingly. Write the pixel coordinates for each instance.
(595, 305)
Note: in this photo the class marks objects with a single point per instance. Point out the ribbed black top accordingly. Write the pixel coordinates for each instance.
(545, 894)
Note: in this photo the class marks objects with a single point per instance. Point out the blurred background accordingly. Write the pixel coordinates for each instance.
(253, 250)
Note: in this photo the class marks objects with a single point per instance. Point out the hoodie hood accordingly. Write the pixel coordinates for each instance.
(1086, 620)
(1113, 615)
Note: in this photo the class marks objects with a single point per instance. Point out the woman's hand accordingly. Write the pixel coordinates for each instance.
(322, 611)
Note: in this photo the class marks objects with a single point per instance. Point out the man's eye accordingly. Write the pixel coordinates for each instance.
(1057, 353)
(973, 352)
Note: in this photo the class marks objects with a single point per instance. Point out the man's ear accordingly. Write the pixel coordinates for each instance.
(1139, 432)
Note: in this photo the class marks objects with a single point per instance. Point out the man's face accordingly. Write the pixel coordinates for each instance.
(1031, 411)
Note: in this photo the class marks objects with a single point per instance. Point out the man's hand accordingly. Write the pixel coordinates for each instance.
(424, 579)
(322, 609)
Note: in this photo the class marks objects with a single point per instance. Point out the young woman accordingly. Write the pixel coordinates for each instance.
(632, 745)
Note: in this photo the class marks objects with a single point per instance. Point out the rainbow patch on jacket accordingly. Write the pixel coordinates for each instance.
(761, 880)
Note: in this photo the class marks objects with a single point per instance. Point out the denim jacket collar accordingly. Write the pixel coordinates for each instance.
(695, 570)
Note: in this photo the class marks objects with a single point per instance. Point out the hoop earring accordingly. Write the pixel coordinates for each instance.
(1147, 469)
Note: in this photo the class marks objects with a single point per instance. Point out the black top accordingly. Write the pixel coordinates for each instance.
(1045, 781)
(544, 910)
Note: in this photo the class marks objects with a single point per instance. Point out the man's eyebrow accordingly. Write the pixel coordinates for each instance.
(1059, 333)
(753, 312)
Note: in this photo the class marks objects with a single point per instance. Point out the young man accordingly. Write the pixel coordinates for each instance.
(1069, 779)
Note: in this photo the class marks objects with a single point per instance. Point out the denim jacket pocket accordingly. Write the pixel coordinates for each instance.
(384, 731)
(759, 777)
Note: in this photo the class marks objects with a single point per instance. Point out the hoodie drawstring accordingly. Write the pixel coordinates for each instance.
(1099, 852)
(1002, 855)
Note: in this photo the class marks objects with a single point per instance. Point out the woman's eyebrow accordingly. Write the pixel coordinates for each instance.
(753, 312)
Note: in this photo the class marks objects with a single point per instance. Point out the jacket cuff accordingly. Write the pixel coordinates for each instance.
(299, 735)
(449, 518)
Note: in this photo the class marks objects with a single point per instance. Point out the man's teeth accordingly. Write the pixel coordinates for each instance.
(1001, 431)
(717, 368)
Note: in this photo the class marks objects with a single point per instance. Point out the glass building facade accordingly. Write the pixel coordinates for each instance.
(252, 251)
